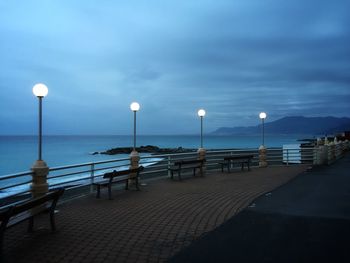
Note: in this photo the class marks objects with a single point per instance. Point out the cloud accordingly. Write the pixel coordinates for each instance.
(233, 58)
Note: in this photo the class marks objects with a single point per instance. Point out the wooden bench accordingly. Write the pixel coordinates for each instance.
(26, 210)
(178, 166)
(118, 176)
(240, 159)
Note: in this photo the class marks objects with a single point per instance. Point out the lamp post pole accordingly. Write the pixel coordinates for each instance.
(40, 169)
(201, 131)
(134, 130)
(263, 131)
(40, 126)
(201, 114)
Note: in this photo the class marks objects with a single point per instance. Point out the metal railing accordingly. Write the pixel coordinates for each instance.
(84, 174)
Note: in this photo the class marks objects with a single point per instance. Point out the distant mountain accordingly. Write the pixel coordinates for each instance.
(293, 125)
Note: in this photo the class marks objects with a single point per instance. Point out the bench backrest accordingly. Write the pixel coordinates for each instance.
(27, 205)
(182, 162)
(115, 173)
(237, 157)
(31, 203)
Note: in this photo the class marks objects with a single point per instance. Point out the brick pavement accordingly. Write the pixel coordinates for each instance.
(149, 225)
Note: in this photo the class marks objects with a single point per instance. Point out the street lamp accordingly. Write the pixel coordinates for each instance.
(201, 114)
(263, 116)
(39, 185)
(40, 90)
(134, 107)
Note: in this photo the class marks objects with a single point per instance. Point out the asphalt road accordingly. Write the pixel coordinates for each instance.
(306, 220)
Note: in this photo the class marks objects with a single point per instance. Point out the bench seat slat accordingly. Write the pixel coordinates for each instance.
(186, 164)
(115, 177)
(240, 159)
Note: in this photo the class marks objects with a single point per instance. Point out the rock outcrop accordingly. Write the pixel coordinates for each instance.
(147, 149)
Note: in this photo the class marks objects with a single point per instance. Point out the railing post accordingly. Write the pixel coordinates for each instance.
(287, 156)
(169, 164)
(331, 156)
(319, 153)
(343, 147)
(92, 177)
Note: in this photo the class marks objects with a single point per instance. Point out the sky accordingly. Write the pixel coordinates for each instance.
(232, 58)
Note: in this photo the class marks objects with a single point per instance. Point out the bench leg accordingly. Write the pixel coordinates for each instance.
(127, 184)
(229, 167)
(110, 191)
(248, 165)
(172, 174)
(137, 183)
(98, 191)
(52, 221)
(242, 166)
(194, 172)
(179, 175)
(30, 225)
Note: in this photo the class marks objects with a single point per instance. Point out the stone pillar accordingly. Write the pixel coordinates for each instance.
(317, 153)
(262, 156)
(326, 141)
(331, 153)
(337, 149)
(326, 153)
(134, 163)
(39, 184)
(201, 156)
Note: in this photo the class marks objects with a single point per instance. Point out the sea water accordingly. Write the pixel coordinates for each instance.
(18, 153)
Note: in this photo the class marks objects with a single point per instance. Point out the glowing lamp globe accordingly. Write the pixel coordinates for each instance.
(40, 90)
(134, 106)
(262, 115)
(201, 113)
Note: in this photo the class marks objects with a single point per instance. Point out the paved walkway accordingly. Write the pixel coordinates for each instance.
(146, 226)
(306, 220)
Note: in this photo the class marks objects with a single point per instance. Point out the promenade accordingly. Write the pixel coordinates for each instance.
(306, 220)
(151, 225)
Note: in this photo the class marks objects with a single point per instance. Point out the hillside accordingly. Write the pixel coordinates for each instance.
(293, 125)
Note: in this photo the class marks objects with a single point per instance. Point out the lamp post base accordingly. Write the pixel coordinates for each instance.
(39, 184)
(134, 164)
(201, 156)
(262, 156)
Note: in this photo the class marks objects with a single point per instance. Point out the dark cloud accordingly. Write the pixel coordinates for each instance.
(233, 58)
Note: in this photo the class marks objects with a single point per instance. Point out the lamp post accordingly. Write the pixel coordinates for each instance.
(134, 155)
(201, 114)
(40, 90)
(40, 170)
(262, 148)
(134, 107)
(263, 116)
(201, 150)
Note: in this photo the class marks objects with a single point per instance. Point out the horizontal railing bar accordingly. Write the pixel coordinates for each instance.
(71, 181)
(68, 174)
(16, 175)
(15, 185)
(86, 164)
